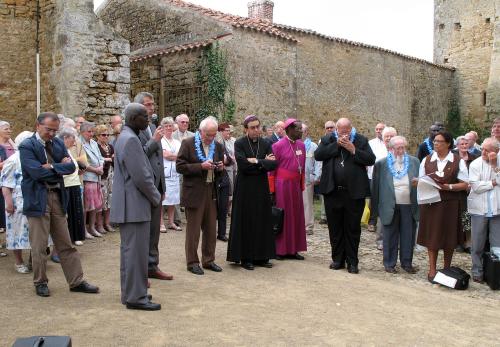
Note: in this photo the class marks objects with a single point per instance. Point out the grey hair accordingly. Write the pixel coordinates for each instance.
(4, 123)
(461, 138)
(69, 123)
(85, 126)
(389, 129)
(397, 138)
(67, 132)
(167, 120)
(23, 135)
(139, 98)
(182, 115)
(493, 141)
(209, 120)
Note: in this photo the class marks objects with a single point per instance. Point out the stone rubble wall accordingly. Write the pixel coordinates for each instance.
(463, 38)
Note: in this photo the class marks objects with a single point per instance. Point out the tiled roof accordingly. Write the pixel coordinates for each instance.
(260, 25)
(165, 50)
(358, 44)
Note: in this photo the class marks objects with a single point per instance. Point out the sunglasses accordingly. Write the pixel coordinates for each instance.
(106, 135)
(328, 128)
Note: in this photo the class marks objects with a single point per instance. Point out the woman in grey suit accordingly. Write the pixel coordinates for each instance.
(394, 200)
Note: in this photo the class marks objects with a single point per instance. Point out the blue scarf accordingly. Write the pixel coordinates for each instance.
(351, 137)
(390, 166)
(199, 151)
(427, 142)
(307, 143)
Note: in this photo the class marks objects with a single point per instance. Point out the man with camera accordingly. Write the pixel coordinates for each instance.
(200, 160)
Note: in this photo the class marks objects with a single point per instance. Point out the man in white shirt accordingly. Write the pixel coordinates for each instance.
(483, 204)
(380, 150)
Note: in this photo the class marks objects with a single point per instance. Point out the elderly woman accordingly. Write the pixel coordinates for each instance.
(17, 224)
(170, 148)
(72, 184)
(103, 134)
(92, 195)
(8, 148)
(463, 151)
(394, 201)
(440, 222)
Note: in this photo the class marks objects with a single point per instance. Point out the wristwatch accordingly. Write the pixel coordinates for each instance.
(450, 186)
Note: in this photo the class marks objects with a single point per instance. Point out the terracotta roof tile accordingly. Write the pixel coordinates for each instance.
(236, 21)
(358, 44)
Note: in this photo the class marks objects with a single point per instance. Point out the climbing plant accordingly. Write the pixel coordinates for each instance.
(218, 100)
(458, 125)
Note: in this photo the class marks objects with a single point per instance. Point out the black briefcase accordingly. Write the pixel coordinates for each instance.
(453, 277)
(278, 215)
(43, 341)
(491, 264)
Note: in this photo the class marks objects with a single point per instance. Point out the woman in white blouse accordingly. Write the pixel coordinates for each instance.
(170, 148)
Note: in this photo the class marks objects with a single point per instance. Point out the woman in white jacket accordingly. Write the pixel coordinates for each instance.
(484, 203)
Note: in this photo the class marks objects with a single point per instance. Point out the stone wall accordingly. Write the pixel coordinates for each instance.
(463, 38)
(493, 90)
(368, 85)
(152, 23)
(84, 65)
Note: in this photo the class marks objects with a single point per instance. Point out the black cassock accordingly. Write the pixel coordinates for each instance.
(251, 236)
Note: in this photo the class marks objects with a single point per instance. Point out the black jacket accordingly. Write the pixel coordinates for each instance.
(355, 165)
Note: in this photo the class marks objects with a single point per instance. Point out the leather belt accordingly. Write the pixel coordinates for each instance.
(340, 188)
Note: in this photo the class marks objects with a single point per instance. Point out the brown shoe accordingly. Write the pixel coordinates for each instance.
(160, 275)
(410, 269)
(477, 279)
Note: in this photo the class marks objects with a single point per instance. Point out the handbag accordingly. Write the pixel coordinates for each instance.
(278, 216)
(491, 270)
(43, 341)
(453, 277)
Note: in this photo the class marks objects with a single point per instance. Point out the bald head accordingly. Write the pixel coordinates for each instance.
(329, 127)
(344, 127)
(136, 116)
(279, 128)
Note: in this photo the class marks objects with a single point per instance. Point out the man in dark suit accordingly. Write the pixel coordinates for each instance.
(134, 196)
(44, 161)
(151, 142)
(344, 185)
(278, 132)
(200, 160)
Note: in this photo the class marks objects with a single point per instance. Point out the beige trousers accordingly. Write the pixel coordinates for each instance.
(308, 197)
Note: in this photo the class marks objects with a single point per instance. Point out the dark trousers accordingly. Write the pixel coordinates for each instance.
(154, 238)
(399, 234)
(222, 207)
(373, 219)
(343, 215)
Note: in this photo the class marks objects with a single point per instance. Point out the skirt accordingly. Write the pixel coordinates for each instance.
(440, 225)
(92, 196)
(76, 225)
(106, 185)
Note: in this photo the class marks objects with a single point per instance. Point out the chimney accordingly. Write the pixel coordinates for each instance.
(261, 9)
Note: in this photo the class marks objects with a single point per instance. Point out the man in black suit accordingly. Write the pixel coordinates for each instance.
(278, 132)
(151, 142)
(344, 186)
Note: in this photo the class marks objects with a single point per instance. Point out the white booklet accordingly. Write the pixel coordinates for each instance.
(427, 191)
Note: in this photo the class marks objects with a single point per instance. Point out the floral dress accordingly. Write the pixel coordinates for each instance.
(16, 224)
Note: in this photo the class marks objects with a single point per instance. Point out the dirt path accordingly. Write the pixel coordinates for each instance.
(297, 303)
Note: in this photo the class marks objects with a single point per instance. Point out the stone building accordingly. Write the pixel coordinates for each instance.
(467, 37)
(84, 64)
(277, 70)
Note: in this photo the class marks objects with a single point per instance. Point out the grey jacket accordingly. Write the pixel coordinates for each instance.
(383, 199)
(134, 190)
(154, 152)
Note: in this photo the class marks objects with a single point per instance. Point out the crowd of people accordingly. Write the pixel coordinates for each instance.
(73, 180)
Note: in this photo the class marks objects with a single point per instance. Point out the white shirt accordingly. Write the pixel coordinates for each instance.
(463, 173)
(379, 149)
(484, 198)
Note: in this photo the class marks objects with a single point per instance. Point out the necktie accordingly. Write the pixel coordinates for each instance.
(49, 152)
(148, 132)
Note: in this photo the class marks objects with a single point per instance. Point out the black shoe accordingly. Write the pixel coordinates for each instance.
(85, 287)
(222, 238)
(150, 297)
(196, 269)
(265, 263)
(42, 290)
(247, 265)
(279, 257)
(467, 250)
(390, 270)
(353, 269)
(297, 256)
(410, 269)
(337, 265)
(150, 306)
(212, 266)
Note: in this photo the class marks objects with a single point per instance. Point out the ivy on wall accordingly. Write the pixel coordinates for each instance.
(458, 126)
(218, 100)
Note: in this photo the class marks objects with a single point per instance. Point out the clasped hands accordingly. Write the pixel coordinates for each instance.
(343, 141)
(65, 160)
(268, 157)
(210, 165)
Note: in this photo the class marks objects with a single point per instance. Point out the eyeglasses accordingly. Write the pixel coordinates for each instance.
(328, 128)
(184, 122)
(106, 135)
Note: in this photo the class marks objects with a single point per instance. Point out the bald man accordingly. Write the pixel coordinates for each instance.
(278, 132)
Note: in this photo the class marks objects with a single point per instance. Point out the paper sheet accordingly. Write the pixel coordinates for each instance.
(445, 280)
(427, 191)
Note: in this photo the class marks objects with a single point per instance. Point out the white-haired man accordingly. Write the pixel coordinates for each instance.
(182, 131)
(200, 161)
(483, 203)
(380, 150)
